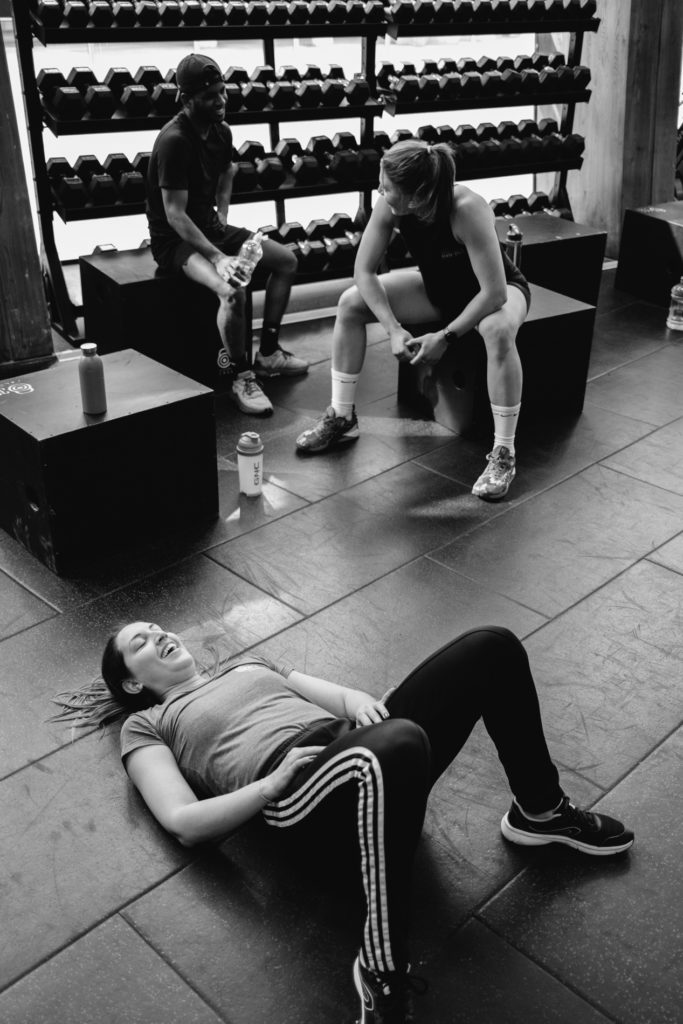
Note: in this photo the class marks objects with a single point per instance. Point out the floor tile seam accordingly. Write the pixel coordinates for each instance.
(490, 590)
(546, 969)
(29, 589)
(632, 362)
(74, 940)
(176, 970)
(631, 475)
(661, 565)
(31, 625)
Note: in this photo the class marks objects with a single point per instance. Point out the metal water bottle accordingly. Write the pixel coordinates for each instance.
(91, 378)
(250, 463)
(513, 244)
(241, 270)
(674, 320)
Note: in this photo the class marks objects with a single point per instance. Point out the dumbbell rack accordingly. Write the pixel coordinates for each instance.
(393, 22)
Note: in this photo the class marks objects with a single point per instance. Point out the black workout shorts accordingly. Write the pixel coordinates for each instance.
(173, 254)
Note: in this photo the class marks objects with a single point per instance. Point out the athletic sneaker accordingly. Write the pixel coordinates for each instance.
(330, 430)
(587, 831)
(279, 364)
(248, 395)
(495, 481)
(386, 998)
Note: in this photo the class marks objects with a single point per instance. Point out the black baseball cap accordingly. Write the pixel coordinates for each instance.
(196, 72)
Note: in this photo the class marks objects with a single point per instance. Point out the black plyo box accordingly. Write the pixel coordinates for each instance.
(554, 345)
(559, 254)
(651, 252)
(73, 485)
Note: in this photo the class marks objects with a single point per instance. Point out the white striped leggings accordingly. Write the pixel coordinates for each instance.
(376, 779)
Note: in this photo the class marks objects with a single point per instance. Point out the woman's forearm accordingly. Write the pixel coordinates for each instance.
(373, 293)
(483, 304)
(217, 816)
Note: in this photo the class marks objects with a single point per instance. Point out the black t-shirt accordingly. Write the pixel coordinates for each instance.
(182, 159)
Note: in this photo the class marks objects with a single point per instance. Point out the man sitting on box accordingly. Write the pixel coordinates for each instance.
(189, 189)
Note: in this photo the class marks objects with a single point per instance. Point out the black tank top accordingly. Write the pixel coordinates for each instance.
(449, 279)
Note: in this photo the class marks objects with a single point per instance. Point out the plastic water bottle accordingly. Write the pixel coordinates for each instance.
(674, 320)
(513, 244)
(91, 378)
(242, 268)
(250, 463)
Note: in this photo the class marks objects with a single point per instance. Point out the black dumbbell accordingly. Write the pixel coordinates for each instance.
(499, 207)
(103, 248)
(401, 135)
(141, 163)
(344, 166)
(529, 81)
(318, 230)
(355, 11)
(333, 92)
(236, 76)
(548, 80)
(506, 130)
(191, 12)
(490, 152)
(581, 76)
(71, 192)
(517, 204)
(149, 76)
(449, 86)
(306, 169)
(102, 190)
(270, 172)
(245, 176)
(297, 12)
(282, 95)
(59, 167)
(271, 232)
(50, 13)
(465, 133)
(482, 11)
(406, 89)
(486, 130)
(100, 13)
(531, 150)
(124, 13)
(251, 151)
(465, 64)
(336, 71)
(264, 73)
(236, 13)
(428, 133)
(311, 256)
(291, 231)
(504, 64)
(146, 13)
(430, 67)
(233, 97)
(81, 79)
(443, 12)
(288, 73)
(336, 12)
(76, 14)
(308, 94)
(522, 62)
(510, 81)
(344, 140)
(373, 12)
(491, 83)
(67, 103)
(463, 10)
(170, 13)
(287, 150)
(538, 202)
(401, 12)
(321, 147)
(131, 186)
(380, 142)
(368, 165)
(341, 254)
(424, 12)
(526, 128)
(446, 133)
(255, 96)
(49, 79)
(485, 64)
(512, 150)
(548, 126)
(256, 13)
(429, 88)
(468, 84)
(518, 10)
(136, 101)
(573, 146)
(116, 164)
(214, 13)
(317, 12)
(468, 154)
(340, 225)
(86, 166)
(357, 91)
(165, 99)
(118, 79)
(100, 101)
(447, 66)
(276, 12)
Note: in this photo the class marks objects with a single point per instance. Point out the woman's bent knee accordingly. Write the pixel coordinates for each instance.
(352, 305)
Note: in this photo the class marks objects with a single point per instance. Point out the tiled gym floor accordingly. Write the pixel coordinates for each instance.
(354, 566)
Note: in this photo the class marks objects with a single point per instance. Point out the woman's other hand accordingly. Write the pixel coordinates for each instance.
(371, 712)
(294, 760)
(428, 348)
(400, 340)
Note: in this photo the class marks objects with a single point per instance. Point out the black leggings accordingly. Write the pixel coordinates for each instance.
(392, 766)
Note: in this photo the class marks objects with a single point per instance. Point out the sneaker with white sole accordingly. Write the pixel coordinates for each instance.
(248, 395)
(330, 430)
(280, 363)
(494, 482)
(597, 834)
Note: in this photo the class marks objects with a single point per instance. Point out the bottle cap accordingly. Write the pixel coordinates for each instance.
(249, 444)
(89, 348)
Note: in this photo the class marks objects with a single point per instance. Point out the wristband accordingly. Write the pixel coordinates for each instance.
(449, 336)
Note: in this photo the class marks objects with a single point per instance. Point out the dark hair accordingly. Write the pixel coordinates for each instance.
(424, 171)
(115, 672)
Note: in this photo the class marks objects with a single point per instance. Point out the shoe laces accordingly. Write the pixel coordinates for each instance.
(500, 461)
(251, 386)
(584, 819)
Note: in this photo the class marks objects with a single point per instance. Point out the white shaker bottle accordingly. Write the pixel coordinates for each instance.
(250, 463)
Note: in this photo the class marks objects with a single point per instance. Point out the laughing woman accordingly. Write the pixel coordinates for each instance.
(320, 759)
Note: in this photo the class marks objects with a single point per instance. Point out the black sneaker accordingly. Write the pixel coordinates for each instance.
(386, 998)
(597, 834)
(330, 430)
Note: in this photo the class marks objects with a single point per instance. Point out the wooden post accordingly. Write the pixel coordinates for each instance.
(25, 334)
(631, 120)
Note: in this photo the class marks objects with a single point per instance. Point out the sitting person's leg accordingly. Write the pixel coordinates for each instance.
(504, 381)
(271, 359)
(232, 331)
(408, 299)
(485, 674)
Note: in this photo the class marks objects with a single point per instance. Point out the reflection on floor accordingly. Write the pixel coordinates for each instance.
(354, 565)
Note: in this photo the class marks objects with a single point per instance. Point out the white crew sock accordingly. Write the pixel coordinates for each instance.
(344, 392)
(505, 424)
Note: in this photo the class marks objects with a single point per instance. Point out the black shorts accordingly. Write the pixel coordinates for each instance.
(452, 301)
(172, 254)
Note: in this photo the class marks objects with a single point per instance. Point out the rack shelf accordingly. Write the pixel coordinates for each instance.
(393, 107)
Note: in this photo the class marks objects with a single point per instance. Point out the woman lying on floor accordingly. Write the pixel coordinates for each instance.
(318, 759)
